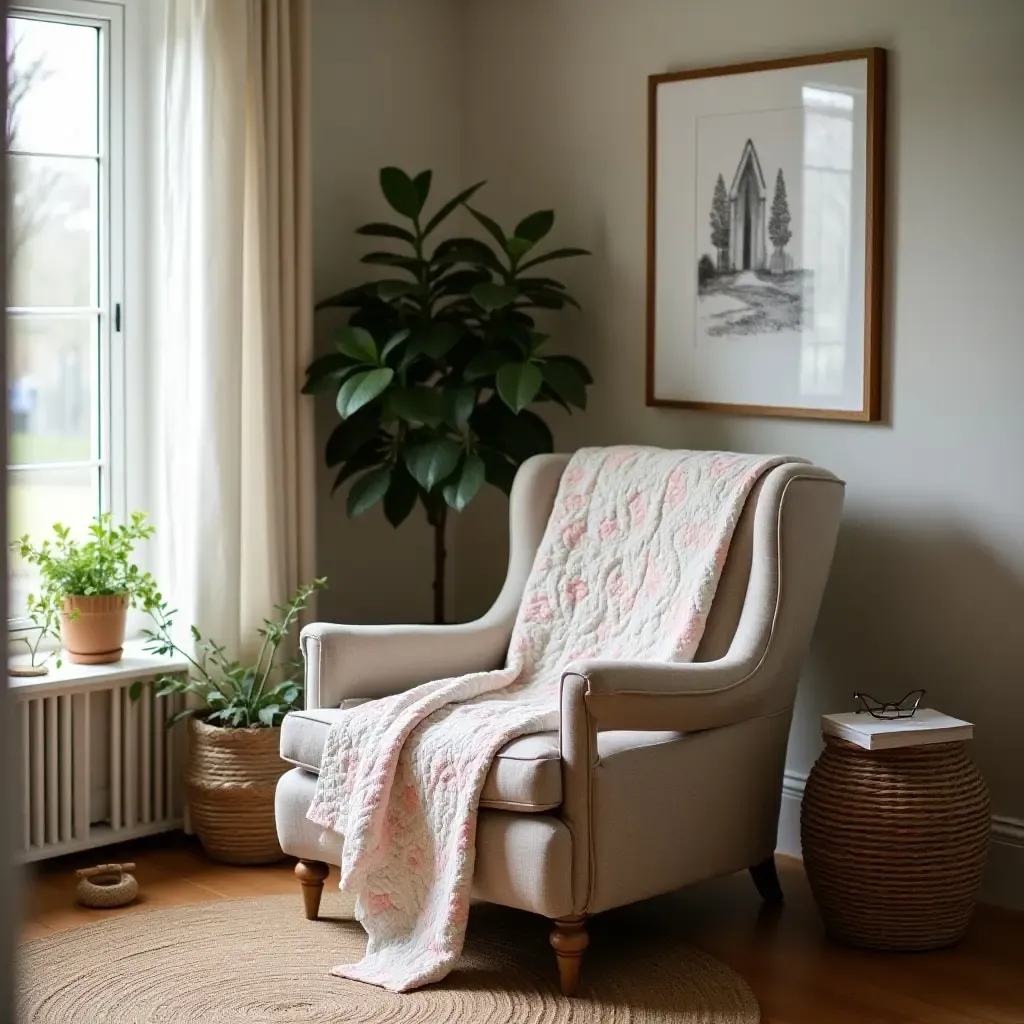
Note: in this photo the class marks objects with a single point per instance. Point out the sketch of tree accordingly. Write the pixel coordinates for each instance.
(778, 223)
(720, 222)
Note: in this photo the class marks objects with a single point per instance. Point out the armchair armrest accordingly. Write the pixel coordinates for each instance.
(377, 661)
(668, 695)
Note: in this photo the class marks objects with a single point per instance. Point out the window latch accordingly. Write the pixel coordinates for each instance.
(117, 317)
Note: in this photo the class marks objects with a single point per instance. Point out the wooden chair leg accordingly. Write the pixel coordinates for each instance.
(311, 873)
(569, 939)
(766, 879)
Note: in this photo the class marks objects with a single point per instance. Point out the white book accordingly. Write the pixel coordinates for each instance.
(926, 726)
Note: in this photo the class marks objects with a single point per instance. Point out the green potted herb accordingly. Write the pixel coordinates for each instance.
(234, 727)
(440, 362)
(88, 586)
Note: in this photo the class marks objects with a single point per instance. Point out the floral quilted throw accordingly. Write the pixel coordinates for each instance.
(627, 569)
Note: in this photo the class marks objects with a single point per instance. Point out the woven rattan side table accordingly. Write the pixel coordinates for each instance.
(895, 842)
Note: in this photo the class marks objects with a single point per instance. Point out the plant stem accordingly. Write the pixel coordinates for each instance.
(440, 555)
(286, 623)
(165, 635)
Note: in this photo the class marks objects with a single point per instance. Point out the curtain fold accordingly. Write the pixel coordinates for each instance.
(234, 299)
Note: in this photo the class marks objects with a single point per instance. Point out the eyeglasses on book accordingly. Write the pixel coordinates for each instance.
(904, 708)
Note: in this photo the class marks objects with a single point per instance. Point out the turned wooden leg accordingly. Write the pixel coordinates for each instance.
(569, 939)
(311, 873)
(766, 878)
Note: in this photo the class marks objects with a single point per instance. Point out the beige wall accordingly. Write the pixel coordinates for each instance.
(386, 90)
(547, 99)
(928, 583)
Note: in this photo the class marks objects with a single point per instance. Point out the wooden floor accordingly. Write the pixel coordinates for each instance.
(799, 976)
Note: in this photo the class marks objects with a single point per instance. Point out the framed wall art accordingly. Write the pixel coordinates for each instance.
(765, 210)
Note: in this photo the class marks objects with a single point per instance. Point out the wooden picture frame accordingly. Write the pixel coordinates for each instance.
(798, 332)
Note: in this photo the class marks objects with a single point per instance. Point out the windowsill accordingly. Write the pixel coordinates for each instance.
(135, 664)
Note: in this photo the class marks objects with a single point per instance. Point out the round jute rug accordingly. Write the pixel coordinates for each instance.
(258, 961)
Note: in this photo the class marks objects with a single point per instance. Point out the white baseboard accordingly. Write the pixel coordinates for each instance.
(1004, 877)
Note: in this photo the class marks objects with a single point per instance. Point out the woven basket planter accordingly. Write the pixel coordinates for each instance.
(230, 782)
(895, 843)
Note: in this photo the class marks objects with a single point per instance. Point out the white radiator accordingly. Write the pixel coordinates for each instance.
(95, 766)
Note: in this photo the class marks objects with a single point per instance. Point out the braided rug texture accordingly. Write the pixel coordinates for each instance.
(258, 961)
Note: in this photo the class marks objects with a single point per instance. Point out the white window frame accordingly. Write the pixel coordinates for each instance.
(123, 427)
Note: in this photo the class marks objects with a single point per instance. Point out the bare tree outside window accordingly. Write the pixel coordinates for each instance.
(54, 260)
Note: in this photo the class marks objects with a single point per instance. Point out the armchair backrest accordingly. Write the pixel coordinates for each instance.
(773, 578)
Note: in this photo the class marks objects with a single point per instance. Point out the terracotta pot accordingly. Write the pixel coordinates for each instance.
(95, 636)
(230, 783)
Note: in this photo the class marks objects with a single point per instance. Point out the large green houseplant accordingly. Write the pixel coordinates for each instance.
(439, 362)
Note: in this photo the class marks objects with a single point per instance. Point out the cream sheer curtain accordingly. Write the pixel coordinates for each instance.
(233, 300)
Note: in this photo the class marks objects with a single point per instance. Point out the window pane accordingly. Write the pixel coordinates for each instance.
(53, 372)
(54, 246)
(53, 93)
(35, 500)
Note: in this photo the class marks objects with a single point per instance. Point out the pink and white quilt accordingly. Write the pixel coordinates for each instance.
(627, 569)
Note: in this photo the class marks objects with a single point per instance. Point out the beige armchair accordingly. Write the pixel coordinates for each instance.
(659, 775)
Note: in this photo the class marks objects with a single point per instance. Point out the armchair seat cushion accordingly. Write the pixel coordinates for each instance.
(526, 775)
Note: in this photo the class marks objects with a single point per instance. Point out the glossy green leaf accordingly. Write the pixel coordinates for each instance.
(486, 364)
(401, 497)
(393, 259)
(466, 250)
(576, 364)
(391, 290)
(498, 470)
(358, 344)
(325, 372)
(536, 226)
(519, 331)
(433, 461)
(422, 185)
(545, 300)
(566, 382)
(470, 479)
(368, 490)
(491, 297)
(248, 681)
(518, 384)
(361, 295)
(351, 435)
(449, 208)
(179, 716)
(269, 714)
(517, 248)
(434, 340)
(526, 284)
(555, 254)
(458, 406)
(135, 691)
(400, 191)
(393, 342)
(490, 226)
(459, 282)
(362, 388)
(418, 405)
(169, 686)
(387, 231)
(517, 437)
(373, 453)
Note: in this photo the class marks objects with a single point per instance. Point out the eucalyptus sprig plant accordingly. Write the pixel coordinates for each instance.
(438, 364)
(101, 565)
(235, 695)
